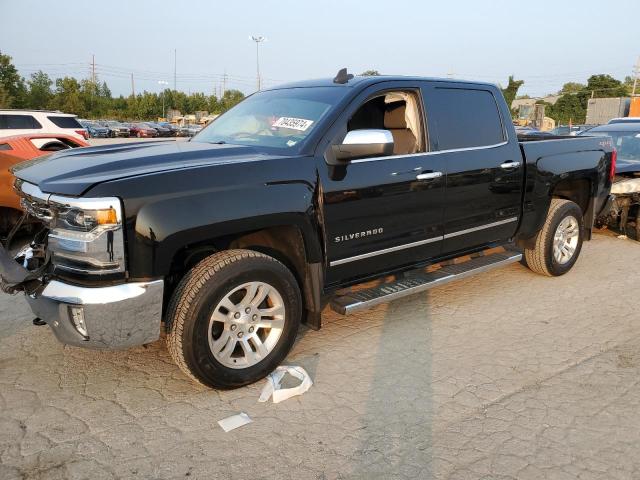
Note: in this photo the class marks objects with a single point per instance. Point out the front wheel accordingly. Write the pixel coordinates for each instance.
(559, 243)
(233, 318)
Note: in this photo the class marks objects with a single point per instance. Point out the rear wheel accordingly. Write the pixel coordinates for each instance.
(559, 243)
(233, 318)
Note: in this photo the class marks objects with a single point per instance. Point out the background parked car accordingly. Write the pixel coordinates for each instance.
(162, 131)
(116, 129)
(94, 129)
(625, 210)
(19, 122)
(570, 130)
(624, 120)
(529, 131)
(189, 130)
(142, 130)
(16, 149)
(170, 126)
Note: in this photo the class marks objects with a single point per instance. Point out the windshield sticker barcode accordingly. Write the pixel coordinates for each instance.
(293, 123)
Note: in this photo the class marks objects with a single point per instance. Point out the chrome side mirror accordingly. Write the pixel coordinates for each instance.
(364, 143)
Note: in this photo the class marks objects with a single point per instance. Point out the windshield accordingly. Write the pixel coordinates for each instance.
(275, 118)
(627, 143)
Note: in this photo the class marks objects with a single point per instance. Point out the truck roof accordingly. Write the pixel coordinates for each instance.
(368, 80)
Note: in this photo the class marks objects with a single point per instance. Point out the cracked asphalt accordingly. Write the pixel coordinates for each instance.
(500, 376)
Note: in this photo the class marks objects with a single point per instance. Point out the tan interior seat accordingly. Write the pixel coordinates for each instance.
(394, 121)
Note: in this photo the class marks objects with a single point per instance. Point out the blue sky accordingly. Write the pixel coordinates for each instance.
(545, 43)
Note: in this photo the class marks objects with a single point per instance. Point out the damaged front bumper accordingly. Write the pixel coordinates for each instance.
(110, 317)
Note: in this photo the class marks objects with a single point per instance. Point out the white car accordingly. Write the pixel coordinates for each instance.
(18, 122)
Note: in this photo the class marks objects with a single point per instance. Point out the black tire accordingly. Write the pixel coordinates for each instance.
(540, 259)
(196, 297)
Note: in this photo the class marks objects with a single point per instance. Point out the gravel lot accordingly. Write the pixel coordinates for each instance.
(503, 375)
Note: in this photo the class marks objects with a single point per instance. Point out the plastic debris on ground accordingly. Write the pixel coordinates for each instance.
(273, 388)
(234, 421)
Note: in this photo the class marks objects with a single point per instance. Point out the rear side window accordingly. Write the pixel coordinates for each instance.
(465, 118)
(65, 122)
(18, 122)
(5, 146)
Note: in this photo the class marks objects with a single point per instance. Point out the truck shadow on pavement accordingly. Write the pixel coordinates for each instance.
(396, 438)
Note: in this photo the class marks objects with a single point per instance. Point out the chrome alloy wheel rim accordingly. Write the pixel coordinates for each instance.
(246, 325)
(565, 240)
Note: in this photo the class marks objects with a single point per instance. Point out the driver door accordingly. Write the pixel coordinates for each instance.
(384, 212)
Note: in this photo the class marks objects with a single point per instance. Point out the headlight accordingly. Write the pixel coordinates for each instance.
(86, 235)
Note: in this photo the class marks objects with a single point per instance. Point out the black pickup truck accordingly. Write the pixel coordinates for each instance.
(285, 203)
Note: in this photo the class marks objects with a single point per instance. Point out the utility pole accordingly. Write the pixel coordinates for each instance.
(636, 74)
(163, 84)
(258, 39)
(224, 83)
(133, 89)
(93, 77)
(175, 69)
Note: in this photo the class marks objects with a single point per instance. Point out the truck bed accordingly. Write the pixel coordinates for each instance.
(534, 148)
(587, 158)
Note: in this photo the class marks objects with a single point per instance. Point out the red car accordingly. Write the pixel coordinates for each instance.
(142, 130)
(19, 148)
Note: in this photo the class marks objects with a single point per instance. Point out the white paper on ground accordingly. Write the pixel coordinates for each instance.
(234, 421)
(272, 387)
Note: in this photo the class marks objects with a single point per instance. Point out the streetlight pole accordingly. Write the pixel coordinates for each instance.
(258, 39)
(162, 84)
(636, 75)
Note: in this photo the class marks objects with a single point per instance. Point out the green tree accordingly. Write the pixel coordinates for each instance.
(198, 102)
(39, 94)
(572, 87)
(104, 91)
(5, 98)
(370, 73)
(230, 99)
(68, 98)
(511, 90)
(602, 86)
(15, 91)
(568, 108)
(213, 104)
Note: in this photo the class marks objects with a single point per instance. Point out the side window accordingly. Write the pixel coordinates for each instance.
(64, 122)
(397, 112)
(465, 118)
(18, 122)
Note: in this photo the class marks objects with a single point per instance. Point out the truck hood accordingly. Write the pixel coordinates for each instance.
(72, 172)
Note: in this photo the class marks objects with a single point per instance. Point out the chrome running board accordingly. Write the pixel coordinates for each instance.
(420, 281)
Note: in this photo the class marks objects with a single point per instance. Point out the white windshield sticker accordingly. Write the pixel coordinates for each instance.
(293, 123)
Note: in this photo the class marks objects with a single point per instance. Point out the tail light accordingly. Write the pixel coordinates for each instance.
(84, 134)
(614, 159)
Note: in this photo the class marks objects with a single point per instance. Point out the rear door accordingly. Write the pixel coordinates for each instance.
(66, 124)
(484, 169)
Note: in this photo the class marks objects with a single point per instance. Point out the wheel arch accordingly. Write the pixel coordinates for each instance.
(285, 243)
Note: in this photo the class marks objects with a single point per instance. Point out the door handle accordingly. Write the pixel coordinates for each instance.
(429, 176)
(509, 165)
